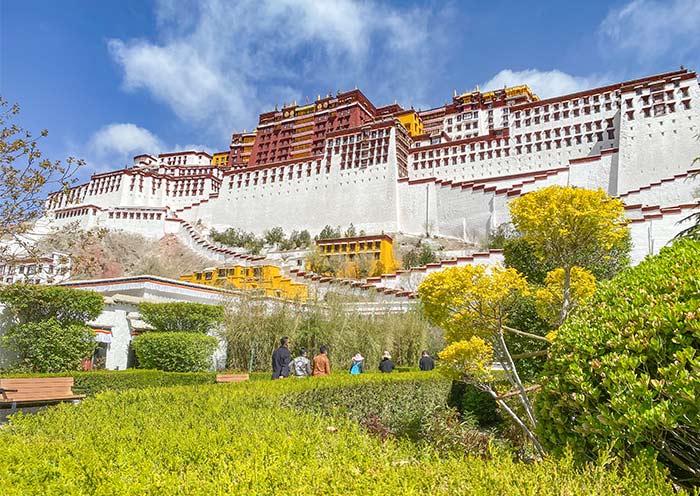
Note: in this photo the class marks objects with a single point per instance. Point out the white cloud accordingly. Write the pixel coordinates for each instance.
(650, 30)
(124, 138)
(115, 145)
(545, 84)
(221, 63)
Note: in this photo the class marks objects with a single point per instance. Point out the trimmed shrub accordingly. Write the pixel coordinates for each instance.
(624, 371)
(235, 439)
(94, 382)
(399, 405)
(33, 303)
(181, 317)
(51, 346)
(174, 351)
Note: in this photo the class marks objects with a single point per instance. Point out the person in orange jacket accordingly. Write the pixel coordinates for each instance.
(322, 366)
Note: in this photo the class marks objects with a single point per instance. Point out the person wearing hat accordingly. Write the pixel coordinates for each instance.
(386, 365)
(358, 364)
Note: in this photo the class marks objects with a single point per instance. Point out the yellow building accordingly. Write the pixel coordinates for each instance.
(360, 256)
(220, 159)
(412, 122)
(265, 279)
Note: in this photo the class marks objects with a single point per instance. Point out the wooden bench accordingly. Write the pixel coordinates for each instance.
(231, 378)
(37, 391)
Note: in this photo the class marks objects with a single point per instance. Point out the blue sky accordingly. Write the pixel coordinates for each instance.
(111, 79)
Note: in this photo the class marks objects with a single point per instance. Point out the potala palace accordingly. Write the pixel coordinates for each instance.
(447, 171)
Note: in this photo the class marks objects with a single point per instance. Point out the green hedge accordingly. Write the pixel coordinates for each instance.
(624, 372)
(91, 383)
(401, 406)
(181, 316)
(174, 351)
(236, 439)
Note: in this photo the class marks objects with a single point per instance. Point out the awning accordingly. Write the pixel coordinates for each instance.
(103, 335)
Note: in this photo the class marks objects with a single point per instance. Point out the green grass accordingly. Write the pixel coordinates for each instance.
(238, 439)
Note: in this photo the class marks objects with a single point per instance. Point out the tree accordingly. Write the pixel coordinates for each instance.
(182, 317)
(350, 232)
(25, 178)
(48, 330)
(569, 227)
(329, 232)
(550, 298)
(419, 256)
(274, 236)
(473, 304)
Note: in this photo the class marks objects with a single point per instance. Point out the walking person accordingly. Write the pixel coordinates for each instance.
(280, 360)
(322, 366)
(386, 365)
(426, 362)
(301, 365)
(358, 364)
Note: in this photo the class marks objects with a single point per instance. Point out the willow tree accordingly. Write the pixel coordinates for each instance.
(569, 227)
(26, 176)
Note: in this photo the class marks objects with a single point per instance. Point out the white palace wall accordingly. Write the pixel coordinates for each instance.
(636, 140)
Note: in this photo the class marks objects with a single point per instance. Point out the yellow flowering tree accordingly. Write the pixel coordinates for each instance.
(550, 298)
(472, 304)
(569, 227)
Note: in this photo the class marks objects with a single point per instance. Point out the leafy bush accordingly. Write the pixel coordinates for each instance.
(625, 369)
(181, 317)
(401, 406)
(51, 346)
(174, 351)
(49, 332)
(33, 303)
(472, 402)
(235, 439)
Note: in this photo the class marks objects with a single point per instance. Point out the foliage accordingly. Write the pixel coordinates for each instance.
(400, 406)
(499, 236)
(296, 240)
(25, 177)
(523, 316)
(329, 232)
(274, 236)
(50, 345)
(472, 304)
(174, 351)
(550, 298)
(235, 439)
(520, 255)
(473, 403)
(234, 236)
(419, 256)
(91, 383)
(350, 232)
(452, 434)
(624, 371)
(472, 300)
(252, 330)
(181, 316)
(466, 358)
(569, 227)
(34, 303)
